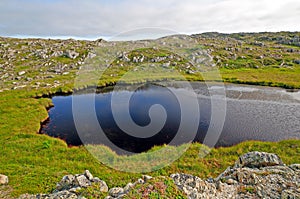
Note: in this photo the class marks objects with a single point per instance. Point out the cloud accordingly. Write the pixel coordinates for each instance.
(95, 18)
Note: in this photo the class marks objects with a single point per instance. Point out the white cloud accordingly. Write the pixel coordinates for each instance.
(92, 18)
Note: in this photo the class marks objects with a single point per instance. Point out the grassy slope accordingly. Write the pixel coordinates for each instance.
(266, 59)
(34, 163)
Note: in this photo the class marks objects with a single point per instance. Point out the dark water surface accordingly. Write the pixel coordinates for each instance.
(252, 113)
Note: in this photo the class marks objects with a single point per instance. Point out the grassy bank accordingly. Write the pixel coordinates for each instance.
(34, 163)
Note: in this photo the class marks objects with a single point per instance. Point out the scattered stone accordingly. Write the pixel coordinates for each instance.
(65, 73)
(116, 192)
(103, 186)
(91, 55)
(71, 54)
(3, 179)
(82, 181)
(88, 174)
(230, 181)
(69, 187)
(140, 181)
(135, 60)
(128, 187)
(21, 73)
(166, 65)
(146, 178)
(67, 182)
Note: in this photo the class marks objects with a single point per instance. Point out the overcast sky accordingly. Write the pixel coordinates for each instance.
(105, 18)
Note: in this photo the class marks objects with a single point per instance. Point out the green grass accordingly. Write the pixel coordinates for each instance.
(34, 163)
(276, 77)
(160, 187)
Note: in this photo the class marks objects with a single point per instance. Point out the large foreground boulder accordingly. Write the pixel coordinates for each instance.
(254, 175)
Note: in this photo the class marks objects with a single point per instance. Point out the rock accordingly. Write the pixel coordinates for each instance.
(230, 181)
(82, 181)
(257, 160)
(146, 178)
(116, 192)
(109, 197)
(3, 179)
(135, 60)
(58, 195)
(57, 54)
(21, 73)
(295, 167)
(128, 187)
(75, 189)
(166, 65)
(297, 61)
(103, 186)
(95, 179)
(140, 181)
(290, 194)
(71, 54)
(255, 175)
(88, 174)
(66, 182)
(91, 55)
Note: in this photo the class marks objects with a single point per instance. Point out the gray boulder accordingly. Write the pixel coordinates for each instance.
(116, 192)
(258, 159)
(255, 175)
(82, 181)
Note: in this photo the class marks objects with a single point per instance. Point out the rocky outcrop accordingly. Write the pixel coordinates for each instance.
(47, 59)
(254, 175)
(257, 160)
(69, 187)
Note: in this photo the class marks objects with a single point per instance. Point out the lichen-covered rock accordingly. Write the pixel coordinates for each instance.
(258, 159)
(82, 181)
(255, 175)
(197, 188)
(66, 182)
(116, 192)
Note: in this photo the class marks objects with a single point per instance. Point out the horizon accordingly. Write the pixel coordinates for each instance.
(109, 38)
(91, 19)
